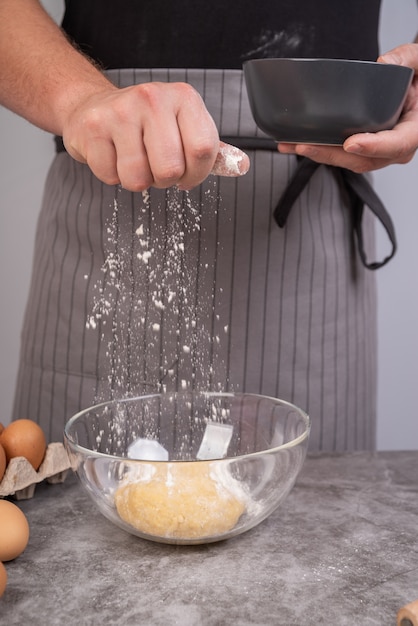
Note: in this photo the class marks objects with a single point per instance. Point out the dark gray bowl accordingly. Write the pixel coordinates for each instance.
(324, 101)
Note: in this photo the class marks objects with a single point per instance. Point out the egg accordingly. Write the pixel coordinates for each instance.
(2, 462)
(24, 438)
(3, 579)
(14, 531)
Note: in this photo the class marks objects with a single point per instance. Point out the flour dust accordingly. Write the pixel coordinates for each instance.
(156, 307)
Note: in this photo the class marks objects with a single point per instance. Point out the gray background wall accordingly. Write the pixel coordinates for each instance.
(25, 155)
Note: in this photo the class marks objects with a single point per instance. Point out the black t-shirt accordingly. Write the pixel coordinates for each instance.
(220, 33)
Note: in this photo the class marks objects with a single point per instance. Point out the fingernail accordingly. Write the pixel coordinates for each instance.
(354, 148)
(286, 148)
(231, 161)
(390, 59)
(308, 151)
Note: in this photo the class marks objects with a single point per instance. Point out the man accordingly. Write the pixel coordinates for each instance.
(287, 316)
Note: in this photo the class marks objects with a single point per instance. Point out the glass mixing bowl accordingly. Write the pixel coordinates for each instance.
(188, 468)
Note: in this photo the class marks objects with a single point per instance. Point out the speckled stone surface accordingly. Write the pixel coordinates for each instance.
(341, 550)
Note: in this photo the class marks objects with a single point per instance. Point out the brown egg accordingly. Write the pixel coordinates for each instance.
(3, 462)
(1, 428)
(14, 531)
(24, 438)
(3, 579)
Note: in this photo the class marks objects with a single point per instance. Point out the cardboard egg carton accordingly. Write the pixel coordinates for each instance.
(20, 478)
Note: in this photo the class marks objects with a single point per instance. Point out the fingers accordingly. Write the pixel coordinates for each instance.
(230, 161)
(151, 135)
(358, 157)
(366, 152)
(392, 146)
(178, 136)
(406, 55)
(192, 145)
(333, 155)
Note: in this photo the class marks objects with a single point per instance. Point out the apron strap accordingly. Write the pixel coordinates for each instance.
(360, 193)
(302, 175)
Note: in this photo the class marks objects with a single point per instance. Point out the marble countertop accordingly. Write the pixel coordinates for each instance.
(342, 549)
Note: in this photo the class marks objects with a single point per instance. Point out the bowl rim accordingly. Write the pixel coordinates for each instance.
(325, 60)
(69, 441)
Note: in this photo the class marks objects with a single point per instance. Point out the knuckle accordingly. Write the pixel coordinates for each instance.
(107, 178)
(362, 168)
(169, 174)
(136, 183)
(136, 180)
(103, 171)
(148, 94)
(407, 158)
(186, 91)
(203, 151)
(153, 94)
(136, 186)
(111, 181)
(93, 121)
(145, 90)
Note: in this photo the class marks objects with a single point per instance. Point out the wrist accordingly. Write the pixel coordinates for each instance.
(71, 101)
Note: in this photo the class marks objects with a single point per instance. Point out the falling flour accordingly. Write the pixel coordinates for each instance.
(145, 306)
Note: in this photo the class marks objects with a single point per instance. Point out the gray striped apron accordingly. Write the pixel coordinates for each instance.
(132, 292)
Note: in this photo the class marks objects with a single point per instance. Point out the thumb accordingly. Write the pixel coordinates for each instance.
(406, 55)
(231, 161)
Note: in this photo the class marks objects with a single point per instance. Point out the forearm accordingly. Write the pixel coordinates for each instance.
(42, 77)
(156, 134)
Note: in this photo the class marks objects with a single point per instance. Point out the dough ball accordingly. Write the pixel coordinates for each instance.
(182, 500)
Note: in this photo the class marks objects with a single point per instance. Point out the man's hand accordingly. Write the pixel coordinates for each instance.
(365, 152)
(155, 134)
